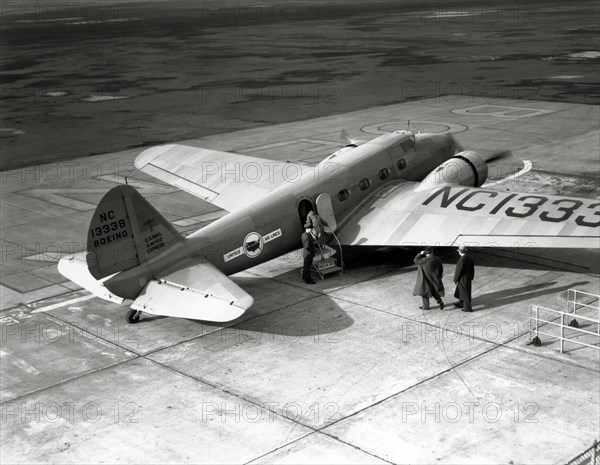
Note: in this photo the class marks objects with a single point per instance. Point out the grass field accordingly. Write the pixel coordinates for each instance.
(91, 77)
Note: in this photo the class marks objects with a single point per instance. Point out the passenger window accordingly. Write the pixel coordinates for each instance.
(364, 184)
(343, 195)
(401, 164)
(384, 173)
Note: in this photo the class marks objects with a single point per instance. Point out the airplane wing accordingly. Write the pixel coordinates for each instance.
(199, 292)
(228, 180)
(403, 215)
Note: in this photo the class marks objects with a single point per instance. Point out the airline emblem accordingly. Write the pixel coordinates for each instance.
(253, 245)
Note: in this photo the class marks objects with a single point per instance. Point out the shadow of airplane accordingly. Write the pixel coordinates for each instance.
(567, 260)
(518, 294)
(318, 314)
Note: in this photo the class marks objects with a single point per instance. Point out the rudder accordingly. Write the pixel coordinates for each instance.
(126, 231)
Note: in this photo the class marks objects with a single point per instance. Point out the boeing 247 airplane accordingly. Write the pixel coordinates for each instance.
(399, 189)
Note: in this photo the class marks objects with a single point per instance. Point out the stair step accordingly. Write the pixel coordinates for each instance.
(326, 265)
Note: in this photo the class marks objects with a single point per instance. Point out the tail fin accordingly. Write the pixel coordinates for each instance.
(126, 231)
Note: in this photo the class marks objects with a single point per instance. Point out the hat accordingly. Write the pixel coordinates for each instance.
(428, 250)
(462, 248)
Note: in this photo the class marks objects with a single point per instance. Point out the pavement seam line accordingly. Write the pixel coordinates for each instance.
(152, 352)
(438, 374)
(500, 344)
(239, 396)
(316, 433)
(65, 381)
(230, 393)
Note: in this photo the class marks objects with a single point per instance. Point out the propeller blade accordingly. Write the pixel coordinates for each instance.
(457, 145)
(495, 156)
(348, 140)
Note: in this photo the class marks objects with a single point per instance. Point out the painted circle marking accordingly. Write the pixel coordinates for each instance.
(253, 244)
(415, 125)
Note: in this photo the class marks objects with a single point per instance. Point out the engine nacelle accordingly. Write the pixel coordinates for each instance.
(342, 150)
(466, 168)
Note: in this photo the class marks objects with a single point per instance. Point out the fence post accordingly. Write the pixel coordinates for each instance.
(562, 332)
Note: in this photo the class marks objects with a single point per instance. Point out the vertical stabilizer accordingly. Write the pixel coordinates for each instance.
(126, 231)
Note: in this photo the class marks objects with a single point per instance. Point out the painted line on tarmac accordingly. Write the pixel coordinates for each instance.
(527, 167)
(63, 304)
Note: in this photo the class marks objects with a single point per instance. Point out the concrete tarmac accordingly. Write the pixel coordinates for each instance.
(346, 371)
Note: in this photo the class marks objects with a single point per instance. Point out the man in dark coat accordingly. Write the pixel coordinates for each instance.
(308, 252)
(429, 278)
(464, 274)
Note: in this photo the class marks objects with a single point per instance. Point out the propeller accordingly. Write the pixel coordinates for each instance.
(457, 145)
(347, 139)
(496, 156)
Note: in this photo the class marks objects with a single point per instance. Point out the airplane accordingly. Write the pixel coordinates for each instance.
(400, 189)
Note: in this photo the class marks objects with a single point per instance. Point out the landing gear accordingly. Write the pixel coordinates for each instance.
(133, 316)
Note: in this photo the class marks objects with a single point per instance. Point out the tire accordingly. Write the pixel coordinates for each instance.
(132, 317)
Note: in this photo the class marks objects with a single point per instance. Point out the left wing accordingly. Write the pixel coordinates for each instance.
(228, 180)
(403, 215)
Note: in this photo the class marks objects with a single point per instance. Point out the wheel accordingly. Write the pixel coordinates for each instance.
(132, 316)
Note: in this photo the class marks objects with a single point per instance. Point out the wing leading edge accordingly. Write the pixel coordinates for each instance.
(228, 180)
(400, 215)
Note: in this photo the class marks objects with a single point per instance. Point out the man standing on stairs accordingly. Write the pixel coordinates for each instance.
(429, 278)
(308, 252)
(317, 224)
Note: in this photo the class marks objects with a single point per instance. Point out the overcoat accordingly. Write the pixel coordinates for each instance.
(429, 275)
(463, 275)
(308, 245)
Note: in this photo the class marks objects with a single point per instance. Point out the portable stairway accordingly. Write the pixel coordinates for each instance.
(324, 262)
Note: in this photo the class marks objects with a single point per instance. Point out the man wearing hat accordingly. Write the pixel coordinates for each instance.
(308, 253)
(464, 274)
(429, 278)
(316, 223)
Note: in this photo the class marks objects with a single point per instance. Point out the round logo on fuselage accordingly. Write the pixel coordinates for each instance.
(253, 244)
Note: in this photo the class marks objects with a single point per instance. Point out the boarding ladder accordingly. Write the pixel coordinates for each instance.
(543, 320)
(324, 262)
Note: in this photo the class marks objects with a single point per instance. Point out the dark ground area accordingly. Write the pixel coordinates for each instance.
(89, 78)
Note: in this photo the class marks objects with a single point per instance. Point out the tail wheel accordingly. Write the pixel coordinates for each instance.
(133, 316)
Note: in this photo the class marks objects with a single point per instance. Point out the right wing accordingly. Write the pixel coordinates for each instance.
(402, 214)
(228, 180)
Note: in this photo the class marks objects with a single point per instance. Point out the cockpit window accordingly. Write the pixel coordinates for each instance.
(408, 144)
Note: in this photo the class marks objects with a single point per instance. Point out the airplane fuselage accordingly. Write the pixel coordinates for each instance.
(272, 225)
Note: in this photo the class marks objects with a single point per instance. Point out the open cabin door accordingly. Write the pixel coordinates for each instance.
(325, 211)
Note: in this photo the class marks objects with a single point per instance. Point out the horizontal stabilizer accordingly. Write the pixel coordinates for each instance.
(199, 292)
(77, 271)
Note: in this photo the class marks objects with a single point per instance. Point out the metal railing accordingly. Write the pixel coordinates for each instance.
(566, 320)
(590, 456)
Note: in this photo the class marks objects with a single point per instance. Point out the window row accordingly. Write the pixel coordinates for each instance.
(365, 183)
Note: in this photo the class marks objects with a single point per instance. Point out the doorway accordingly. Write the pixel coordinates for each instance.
(304, 207)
